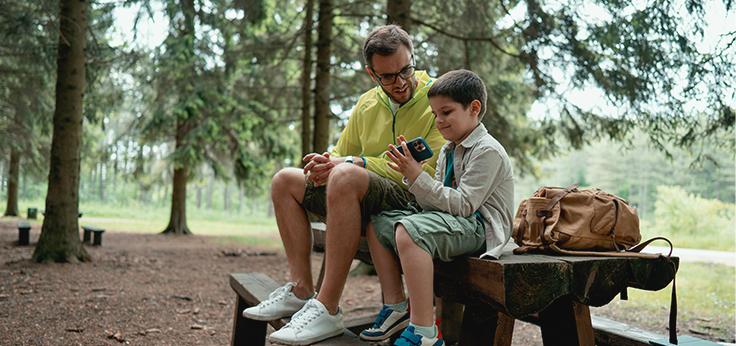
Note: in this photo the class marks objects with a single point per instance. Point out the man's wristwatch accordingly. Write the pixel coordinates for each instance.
(349, 159)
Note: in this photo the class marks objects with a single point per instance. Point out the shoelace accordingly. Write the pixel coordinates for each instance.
(277, 295)
(304, 316)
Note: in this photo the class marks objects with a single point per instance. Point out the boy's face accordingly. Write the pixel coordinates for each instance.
(454, 121)
(401, 90)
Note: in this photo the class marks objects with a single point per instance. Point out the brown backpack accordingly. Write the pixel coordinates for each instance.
(572, 221)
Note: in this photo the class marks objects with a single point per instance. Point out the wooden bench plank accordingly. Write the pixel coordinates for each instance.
(252, 288)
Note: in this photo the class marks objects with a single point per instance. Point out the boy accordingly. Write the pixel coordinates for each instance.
(467, 209)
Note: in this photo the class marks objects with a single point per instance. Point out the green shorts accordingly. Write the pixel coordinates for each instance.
(382, 194)
(442, 235)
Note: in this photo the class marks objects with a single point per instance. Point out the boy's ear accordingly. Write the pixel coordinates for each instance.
(474, 108)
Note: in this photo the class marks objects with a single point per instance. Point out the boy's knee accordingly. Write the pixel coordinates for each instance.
(403, 239)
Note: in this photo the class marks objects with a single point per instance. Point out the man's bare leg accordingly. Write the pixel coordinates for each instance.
(346, 187)
(287, 191)
(387, 267)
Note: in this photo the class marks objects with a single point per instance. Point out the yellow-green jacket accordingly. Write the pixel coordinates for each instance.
(373, 126)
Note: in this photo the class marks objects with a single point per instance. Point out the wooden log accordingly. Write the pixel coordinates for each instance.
(506, 284)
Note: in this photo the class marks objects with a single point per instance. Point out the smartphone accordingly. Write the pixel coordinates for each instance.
(418, 148)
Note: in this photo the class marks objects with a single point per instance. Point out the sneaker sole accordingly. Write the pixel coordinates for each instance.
(399, 327)
(246, 314)
(308, 341)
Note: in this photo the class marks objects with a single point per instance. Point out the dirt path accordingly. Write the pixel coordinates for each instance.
(149, 290)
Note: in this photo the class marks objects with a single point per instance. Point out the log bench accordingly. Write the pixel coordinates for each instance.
(88, 230)
(553, 292)
(24, 228)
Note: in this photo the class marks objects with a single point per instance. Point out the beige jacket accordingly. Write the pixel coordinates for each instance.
(485, 183)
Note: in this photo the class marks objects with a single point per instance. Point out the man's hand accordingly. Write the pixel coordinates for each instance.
(405, 165)
(319, 167)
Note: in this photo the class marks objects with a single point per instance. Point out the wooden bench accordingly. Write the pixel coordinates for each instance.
(253, 288)
(88, 230)
(24, 228)
(553, 292)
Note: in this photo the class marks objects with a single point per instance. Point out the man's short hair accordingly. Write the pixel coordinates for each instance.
(463, 87)
(385, 40)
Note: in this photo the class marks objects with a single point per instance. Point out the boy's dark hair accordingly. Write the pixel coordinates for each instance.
(385, 40)
(463, 87)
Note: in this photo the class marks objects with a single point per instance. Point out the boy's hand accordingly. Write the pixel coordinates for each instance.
(405, 165)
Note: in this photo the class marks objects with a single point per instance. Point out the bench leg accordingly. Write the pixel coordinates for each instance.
(247, 332)
(23, 236)
(87, 236)
(451, 314)
(565, 322)
(482, 323)
(97, 239)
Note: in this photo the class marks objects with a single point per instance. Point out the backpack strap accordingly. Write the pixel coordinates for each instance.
(547, 211)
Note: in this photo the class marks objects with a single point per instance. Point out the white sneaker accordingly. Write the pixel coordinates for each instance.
(280, 303)
(313, 323)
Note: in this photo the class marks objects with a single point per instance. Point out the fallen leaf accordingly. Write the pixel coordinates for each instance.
(183, 311)
(197, 326)
(153, 330)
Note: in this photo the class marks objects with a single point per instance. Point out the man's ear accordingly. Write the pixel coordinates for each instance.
(474, 108)
(371, 73)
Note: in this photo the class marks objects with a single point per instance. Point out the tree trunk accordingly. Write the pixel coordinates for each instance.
(11, 208)
(59, 241)
(199, 196)
(399, 12)
(225, 197)
(102, 182)
(240, 199)
(307, 78)
(322, 81)
(178, 220)
(210, 189)
(25, 184)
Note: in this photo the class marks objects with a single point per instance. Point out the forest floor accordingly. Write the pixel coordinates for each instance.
(152, 289)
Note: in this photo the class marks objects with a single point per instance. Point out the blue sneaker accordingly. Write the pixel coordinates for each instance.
(410, 338)
(387, 323)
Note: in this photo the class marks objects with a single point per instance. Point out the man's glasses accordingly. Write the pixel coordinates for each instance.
(389, 79)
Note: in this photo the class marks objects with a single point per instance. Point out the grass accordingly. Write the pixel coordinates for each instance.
(239, 229)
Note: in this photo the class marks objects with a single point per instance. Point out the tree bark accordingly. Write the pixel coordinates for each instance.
(307, 79)
(399, 12)
(322, 81)
(59, 241)
(102, 182)
(178, 219)
(11, 208)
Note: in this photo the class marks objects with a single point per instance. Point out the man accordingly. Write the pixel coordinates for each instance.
(345, 188)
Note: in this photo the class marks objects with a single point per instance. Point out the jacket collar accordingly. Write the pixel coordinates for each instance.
(474, 136)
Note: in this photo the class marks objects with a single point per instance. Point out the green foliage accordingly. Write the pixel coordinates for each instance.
(693, 222)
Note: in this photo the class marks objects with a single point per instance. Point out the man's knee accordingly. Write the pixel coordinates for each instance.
(346, 179)
(288, 182)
